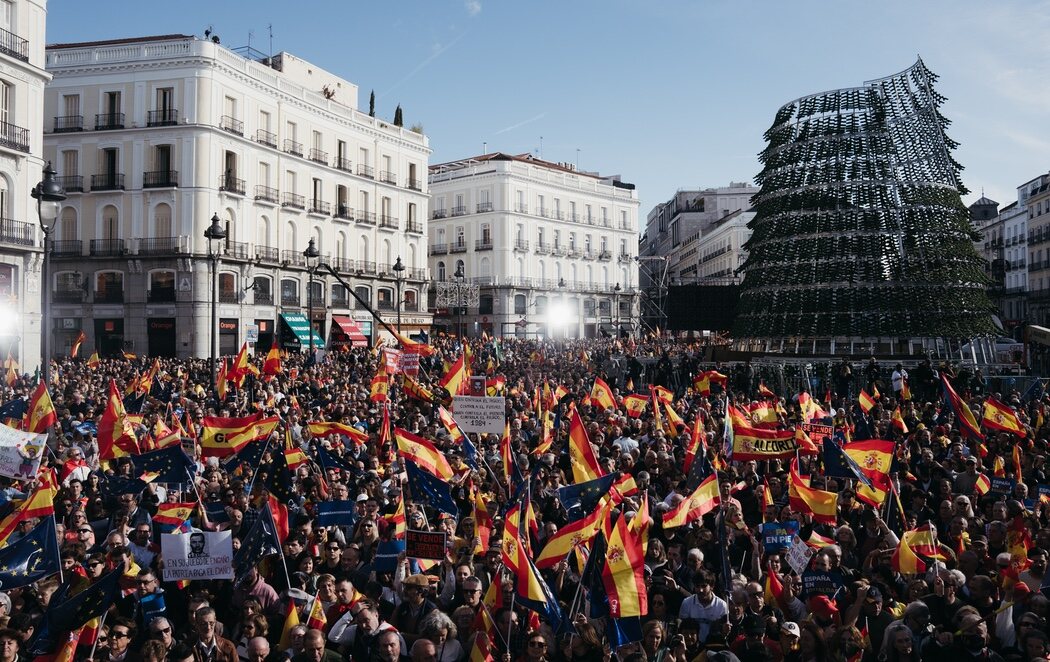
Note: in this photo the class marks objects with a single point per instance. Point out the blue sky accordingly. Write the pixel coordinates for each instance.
(669, 94)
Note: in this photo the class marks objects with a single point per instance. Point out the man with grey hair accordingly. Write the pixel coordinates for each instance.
(258, 649)
(160, 629)
(424, 650)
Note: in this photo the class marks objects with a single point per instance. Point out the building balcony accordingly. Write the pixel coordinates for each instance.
(416, 273)
(343, 164)
(438, 213)
(558, 251)
(483, 245)
(293, 201)
(459, 247)
(543, 248)
(389, 222)
(365, 217)
(343, 265)
(543, 211)
(320, 207)
(237, 250)
(17, 232)
(264, 137)
(165, 117)
(110, 296)
(588, 254)
(344, 212)
(415, 184)
(67, 296)
(293, 258)
(388, 177)
(438, 249)
(365, 171)
(292, 147)
(604, 256)
(71, 183)
(13, 45)
(14, 137)
(290, 300)
(69, 124)
(109, 121)
(484, 207)
(231, 184)
(574, 252)
(227, 296)
(575, 218)
(266, 194)
(160, 295)
(590, 220)
(522, 209)
(521, 245)
(67, 248)
(624, 257)
(625, 226)
(112, 181)
(160, 179)
(267, 254)
(262, 297)
(108, 247)
(460, 210)
(414, 227)
(364, 267)
(159, 246)
(231, 124)
(318, 156)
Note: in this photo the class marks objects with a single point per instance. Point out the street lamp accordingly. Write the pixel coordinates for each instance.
(48, 194)
(616, 304)
(399, 275)
(311, 253)
(460, 276)
(214, 233)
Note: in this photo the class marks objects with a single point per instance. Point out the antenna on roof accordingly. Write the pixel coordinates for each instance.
(269, 27)
(541, 148)
(484, 147)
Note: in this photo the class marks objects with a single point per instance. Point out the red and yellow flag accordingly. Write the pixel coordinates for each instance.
(316, 620)
(75, 349)
(774, 589)
(898, 421)
(423, 452)
(380, 389)
(571, 535)
(220, 380)
(602, 395)
(116, 436)
(702, 384)
(41, 415)
(584, 464)
(697, 443)
(866, 401)
(93, 360)
(225, 436)
(456, 378)
(967, 421)
(174, 514)
(765, 392)
(272, 364)
(623, 574)
(703, 500)
(325, 428)
(998, 416)
(450, 425)
(823, 505)
(983, 484)
(635, 405)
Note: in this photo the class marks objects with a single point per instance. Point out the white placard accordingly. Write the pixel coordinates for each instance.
(197, 555)
(20, 453)
(799, 555)
(482, 415)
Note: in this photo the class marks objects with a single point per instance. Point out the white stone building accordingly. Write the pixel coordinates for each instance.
(22, 80)
(153, 136)
(547, 245)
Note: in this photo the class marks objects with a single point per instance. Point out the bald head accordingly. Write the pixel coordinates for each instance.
(258, 649)
(424, 650)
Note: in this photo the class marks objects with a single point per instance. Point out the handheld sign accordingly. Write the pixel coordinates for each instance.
(799, 554)
(425, 544)
(197, 555)
(777, 536)
(480, 415)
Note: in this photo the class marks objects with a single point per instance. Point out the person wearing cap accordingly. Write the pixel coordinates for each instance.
(790, 635)
(753, 644)
(414, 606)
(868, 610)
(824, 612)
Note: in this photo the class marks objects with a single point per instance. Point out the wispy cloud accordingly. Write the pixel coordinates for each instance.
(473, 7)
(521, 123)
(438, 50)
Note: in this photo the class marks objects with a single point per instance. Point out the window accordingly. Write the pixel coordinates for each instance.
(411, 212)
(70, 163)
(70, 103)
(68, 282)
(520, 304)
(557, 239)
(411, 301)
(365, 206)
(572, 241)
(162, 158)
(461, 268)
(264, 174)
(317, 190)
(316, 293)
(230, 107)
(485, 304)
(539, 236)
(264, 121)
(587, 212)
(162, 286)
(289, 292)
(385, 298)
(109, 287)
(364, 294)
(228, 288)
(111, 103)
(165, 98)
(339, 296)
(461, 237)
(290, 131)
(289, 182)
(486, 234)
(67, 225)
(110, 164)
(318, 141)
(340, 149)
(262, 287)
(572, 211)
(441, 271)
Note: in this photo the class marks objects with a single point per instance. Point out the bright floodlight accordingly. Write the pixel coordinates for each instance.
(9, 323)
(559, 315)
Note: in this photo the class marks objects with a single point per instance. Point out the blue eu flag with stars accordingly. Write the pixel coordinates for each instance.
(171, 462)
(429, 488)
(32, 558)
(581, 499)
(261, 541)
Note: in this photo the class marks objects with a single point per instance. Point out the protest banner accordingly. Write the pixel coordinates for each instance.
(799, 554)
(483, 415)
(818, 582)
(20, 453)
(425, 544)
(197, 555)
(777, 536)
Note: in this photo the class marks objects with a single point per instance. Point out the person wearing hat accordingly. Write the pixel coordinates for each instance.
(868, 609)
(825, 613)
(753, 644)
(414, 606)
(790, 635)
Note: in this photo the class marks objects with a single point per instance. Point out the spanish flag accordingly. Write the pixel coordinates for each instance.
(806, 446)
(765, 498)
(702, 384)
(220, 380)
(451, 425)
(904, 560)
(1018, 475)
(415, 390)
(163, 436)
(967, 421)
(823, 505)
(905, 390)
(641, 522)
(325, 428)
(456, 377)
(570, 536)
(316, 620)
(116, 436)
(765, 392)
(999, 467)
(272, 364)
(750, 443)
(129, 356)
(703, 500)
(983, 484)
(422, 452)
(664, 395)
(93, 360)
(11, 377)
(898, 421)
(409, 345)
(547, 434)
(774, 589)
(874, 458)
(291, 620)
(717, 378)
(866, 401)
(602, 395)
(380, 386)
(635, 405)
(923, 540)
(623, 575)
(293, 455)
(817, 541)
(998, 416)
(174, 514)
(41, 410)
(75, 349)
(762, 414)
(584, 464)
(697, 443)
(225, 436)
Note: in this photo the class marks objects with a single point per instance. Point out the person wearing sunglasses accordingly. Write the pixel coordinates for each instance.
(160, 630)
(117, 647)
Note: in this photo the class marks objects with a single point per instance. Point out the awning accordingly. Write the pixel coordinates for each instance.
(608, 329)
(1038, 334)
(299, 325)
(351, 329)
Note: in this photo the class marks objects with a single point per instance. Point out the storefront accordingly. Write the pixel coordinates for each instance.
(296, 333)
(266, 338)
(160, 336)
(229, 336)
(109, 337)
(346, 332)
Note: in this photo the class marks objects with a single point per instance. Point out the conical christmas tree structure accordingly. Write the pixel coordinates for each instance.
(859, 227)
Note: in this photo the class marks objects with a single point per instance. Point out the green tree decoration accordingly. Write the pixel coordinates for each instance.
(372, 104)
(398, 120)
(859, 227)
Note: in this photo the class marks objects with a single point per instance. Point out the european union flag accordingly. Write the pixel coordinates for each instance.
(251, 455)
(15, 409)
(387, 552)
(172, 463)
(114, 486)
(470, 453)
(336, 513)
(581, 499)
(90, 603)
(1034, 391)
(698, 471)
(837, 463)
(279, 480)
(329, 460)
(86, 428)
(216, 512)
(32, 558)
(133, 402)
(260, 542)
(430, 489)
(623, 631)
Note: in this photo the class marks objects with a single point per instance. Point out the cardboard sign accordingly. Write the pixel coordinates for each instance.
(386, 555)
(1002, 485)
(818, 431)
(777, 536)
(820, 583)
(481, 415)
(425, 544)
(410, 363)
(799, 554)
(20, 453)
(197, 555)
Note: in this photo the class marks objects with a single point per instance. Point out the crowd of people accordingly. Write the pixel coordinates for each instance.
(707, 583)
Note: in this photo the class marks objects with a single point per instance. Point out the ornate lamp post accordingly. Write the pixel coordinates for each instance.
(48, 194)
(460, 276)
(399, 277)
(312, 256)
(214, 233)
(616, 304)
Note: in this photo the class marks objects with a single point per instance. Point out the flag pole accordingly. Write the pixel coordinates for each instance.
(255, 473)
(61, 575)
(101, 622)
